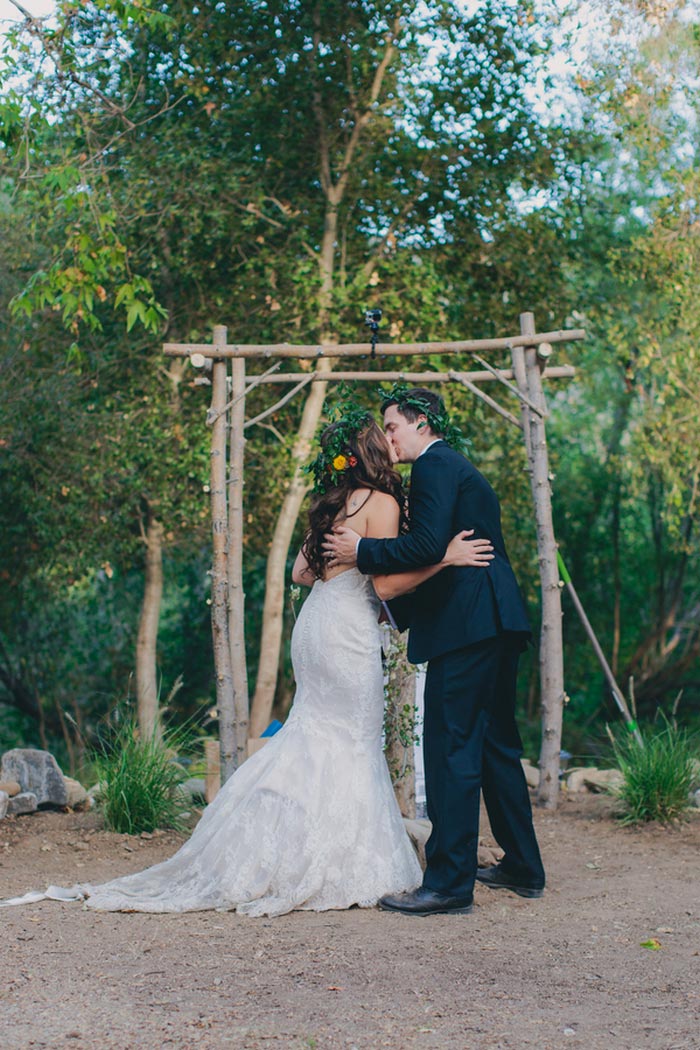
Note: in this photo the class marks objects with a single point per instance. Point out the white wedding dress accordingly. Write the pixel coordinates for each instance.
(310, 821)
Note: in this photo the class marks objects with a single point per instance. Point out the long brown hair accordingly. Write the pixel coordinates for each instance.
(372, 469)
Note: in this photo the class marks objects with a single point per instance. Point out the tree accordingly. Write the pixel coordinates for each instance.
(340, 149)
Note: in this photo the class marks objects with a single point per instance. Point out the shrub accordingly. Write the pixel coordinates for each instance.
(658, 776)
(140, 779)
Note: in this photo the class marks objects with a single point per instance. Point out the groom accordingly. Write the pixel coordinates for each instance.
(470, 625)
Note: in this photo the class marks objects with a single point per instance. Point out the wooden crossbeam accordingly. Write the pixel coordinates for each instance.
(417, 378)
(465, 346)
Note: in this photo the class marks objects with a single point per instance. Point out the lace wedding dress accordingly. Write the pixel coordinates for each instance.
(310, 820)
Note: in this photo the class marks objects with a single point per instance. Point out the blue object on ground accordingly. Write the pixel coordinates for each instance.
(273, 728)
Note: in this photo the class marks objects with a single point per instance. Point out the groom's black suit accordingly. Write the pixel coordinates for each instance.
(470, 625)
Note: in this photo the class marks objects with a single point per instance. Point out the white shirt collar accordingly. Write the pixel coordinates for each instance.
(433, 442)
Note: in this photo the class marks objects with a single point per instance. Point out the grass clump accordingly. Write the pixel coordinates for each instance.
(140, 779)
(658, 776)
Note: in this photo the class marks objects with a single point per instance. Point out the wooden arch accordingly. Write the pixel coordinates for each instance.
(530, 352)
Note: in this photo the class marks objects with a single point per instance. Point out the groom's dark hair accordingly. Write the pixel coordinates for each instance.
(415, 402)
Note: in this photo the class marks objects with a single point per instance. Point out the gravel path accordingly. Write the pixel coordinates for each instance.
(567, 971)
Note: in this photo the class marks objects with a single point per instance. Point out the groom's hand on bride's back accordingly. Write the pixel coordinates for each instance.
(340, 546)
(463, 551)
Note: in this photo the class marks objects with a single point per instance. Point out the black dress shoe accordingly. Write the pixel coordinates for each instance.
(498, 879)
(427, 902)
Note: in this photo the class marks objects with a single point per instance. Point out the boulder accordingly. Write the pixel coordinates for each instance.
(25, 802)
(77, 795)
(10, 787)
(532, 774)
(37, 772)
(576, 779)
(95, 792)
(4, 801)
(419, 832)
(196, 788)
(487, 856)
(603, 779)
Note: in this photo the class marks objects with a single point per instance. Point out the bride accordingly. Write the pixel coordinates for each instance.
(310, 821)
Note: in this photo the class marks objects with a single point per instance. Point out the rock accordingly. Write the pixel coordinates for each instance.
(195, 788)
(94, 793)
(35, 771)
(532, 774)
(694, 798)
(576, 779)
(25, 802)
(603, 779)
(487, 856)
(77, 795)
(419, 832)
(4, 800)
(10, 787)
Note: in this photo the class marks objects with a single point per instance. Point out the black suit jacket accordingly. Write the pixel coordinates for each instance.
(461, 605)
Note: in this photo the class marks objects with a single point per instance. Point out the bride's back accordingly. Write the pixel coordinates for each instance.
(368, 513)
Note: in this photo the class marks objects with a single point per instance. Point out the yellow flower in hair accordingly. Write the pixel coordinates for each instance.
(340, 463)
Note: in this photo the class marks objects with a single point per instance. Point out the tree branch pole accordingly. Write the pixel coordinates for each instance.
(614, 687)
(219, 569)
(502, 378)
(236, 594)
(250, 384)
(418, 378)
(551, 644)
(487, 400)
(282, 401)
(333, 350)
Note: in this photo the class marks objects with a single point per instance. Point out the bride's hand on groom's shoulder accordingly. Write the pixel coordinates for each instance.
(463, 551)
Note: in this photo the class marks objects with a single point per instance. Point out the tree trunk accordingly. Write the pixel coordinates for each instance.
(334, 193)
(273, 607)
(399, 724)
(147, 638)
(551, 644)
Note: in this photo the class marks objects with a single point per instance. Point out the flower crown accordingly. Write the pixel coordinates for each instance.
(439, 422)
(336, 456)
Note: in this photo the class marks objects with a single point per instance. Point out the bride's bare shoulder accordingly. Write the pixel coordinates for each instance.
(357, 499)
(382, 515)
(383, 499)
(371, 500)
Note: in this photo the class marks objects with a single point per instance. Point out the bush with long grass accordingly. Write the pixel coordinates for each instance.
(140, 779)
(658, 776)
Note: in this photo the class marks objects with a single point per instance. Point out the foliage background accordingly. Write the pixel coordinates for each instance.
(177, 185)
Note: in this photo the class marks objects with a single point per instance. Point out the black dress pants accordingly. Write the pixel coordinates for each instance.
(471, 743)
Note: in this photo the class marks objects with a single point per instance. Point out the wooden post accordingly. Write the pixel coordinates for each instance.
(399, 723)
(519, 374)
(236, 594)
(551, 645)
(219, 570)
(212, 782)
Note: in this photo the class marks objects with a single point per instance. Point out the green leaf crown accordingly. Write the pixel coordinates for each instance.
(439, 422)
(336, 457)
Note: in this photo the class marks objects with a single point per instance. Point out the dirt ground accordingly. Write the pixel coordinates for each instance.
(565, 971)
